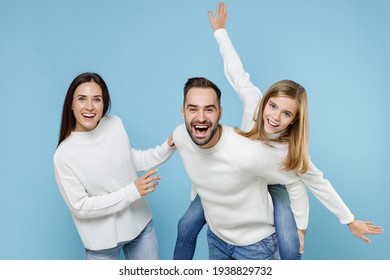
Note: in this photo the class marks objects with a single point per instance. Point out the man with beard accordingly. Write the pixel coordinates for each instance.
(230, 173)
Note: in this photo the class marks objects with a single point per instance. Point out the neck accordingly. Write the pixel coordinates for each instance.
(214, 140)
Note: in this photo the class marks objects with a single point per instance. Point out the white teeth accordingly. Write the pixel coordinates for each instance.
(89, 115)
(201, 126)
(272, 123)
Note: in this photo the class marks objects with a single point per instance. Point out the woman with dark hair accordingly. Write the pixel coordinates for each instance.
(95, 168)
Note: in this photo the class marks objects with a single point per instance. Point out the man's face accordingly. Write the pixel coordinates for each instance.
(201, 114)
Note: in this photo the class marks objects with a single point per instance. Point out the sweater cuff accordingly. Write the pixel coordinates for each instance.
(133, 192)
(219, 33)
(350, 219)
(167, 150)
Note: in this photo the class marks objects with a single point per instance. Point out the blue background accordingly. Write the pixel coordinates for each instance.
(145, 51)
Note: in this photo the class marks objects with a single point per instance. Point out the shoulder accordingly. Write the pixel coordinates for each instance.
(110, 122)
(111, 119)
(62, 152)
(178, 131)
(249, 146)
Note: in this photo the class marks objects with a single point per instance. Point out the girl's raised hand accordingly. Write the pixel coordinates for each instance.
(220, 18)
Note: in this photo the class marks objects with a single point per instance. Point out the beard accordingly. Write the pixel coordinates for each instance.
(203, 138)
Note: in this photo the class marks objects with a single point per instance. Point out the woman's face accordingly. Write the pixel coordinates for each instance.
(279, 113)
(87, 106)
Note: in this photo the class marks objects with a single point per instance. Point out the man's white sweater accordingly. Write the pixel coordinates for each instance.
(231, 180)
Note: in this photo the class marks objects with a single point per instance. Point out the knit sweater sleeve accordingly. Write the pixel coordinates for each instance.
(299, 203)
(84, 206)
(248, 93)
(326, 194)
(147, 159)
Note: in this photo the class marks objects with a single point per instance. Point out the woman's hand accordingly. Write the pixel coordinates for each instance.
(147, 183)
(170, 141)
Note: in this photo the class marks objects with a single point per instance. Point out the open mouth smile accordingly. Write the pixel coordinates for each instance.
(88, 116)
(200, 130)
(271, 123)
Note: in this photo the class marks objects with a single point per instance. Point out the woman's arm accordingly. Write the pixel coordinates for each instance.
(84, 206)
(147, 159)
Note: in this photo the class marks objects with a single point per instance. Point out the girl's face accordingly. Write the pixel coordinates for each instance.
(279, 113)
(87, 106)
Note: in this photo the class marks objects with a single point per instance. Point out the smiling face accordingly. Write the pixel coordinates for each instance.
(201, 113)
(279, 113)
(87, 106)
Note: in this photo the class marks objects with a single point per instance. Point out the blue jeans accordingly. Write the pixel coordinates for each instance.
(191, 223)
(285, 226)
(143, 247)
(188, 228)
(266, 249)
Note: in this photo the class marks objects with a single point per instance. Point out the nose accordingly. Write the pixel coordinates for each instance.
(89, 105)
(276, 116)
(201, 116)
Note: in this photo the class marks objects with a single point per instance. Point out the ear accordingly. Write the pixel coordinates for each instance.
(220, 113)
(182, 112)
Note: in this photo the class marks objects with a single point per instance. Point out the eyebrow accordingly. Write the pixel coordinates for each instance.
(83, 95)
(196, 106)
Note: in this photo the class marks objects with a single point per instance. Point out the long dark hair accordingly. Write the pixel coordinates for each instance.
(68, 121)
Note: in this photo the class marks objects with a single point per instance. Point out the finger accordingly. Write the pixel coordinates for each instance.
(152, 178)
(151, 184)
(301, 248)
(375, 230)
(365, 239)
(148, 186)
(210, 14)
(147, 191)
(221, 7)
(375, 227)
(149, 173)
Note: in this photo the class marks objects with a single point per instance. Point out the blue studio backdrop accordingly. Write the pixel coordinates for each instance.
(145, 51)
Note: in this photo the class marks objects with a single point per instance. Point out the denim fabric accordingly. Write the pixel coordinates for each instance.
(285, 226)
(266, 249)
(191, 223)
(188, 228)
(143, 247)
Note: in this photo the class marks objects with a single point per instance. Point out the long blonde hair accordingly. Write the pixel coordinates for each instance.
(296, 134)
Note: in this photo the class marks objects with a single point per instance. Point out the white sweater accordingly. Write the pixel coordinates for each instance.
(95, 171)
(250, 95)
(231, 180)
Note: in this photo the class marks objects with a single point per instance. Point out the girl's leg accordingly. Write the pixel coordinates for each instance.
(188, 228)
(285, 226)
(106, 254)
(144, 246)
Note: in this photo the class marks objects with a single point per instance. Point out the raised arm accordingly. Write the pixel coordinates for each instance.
(249, 94)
